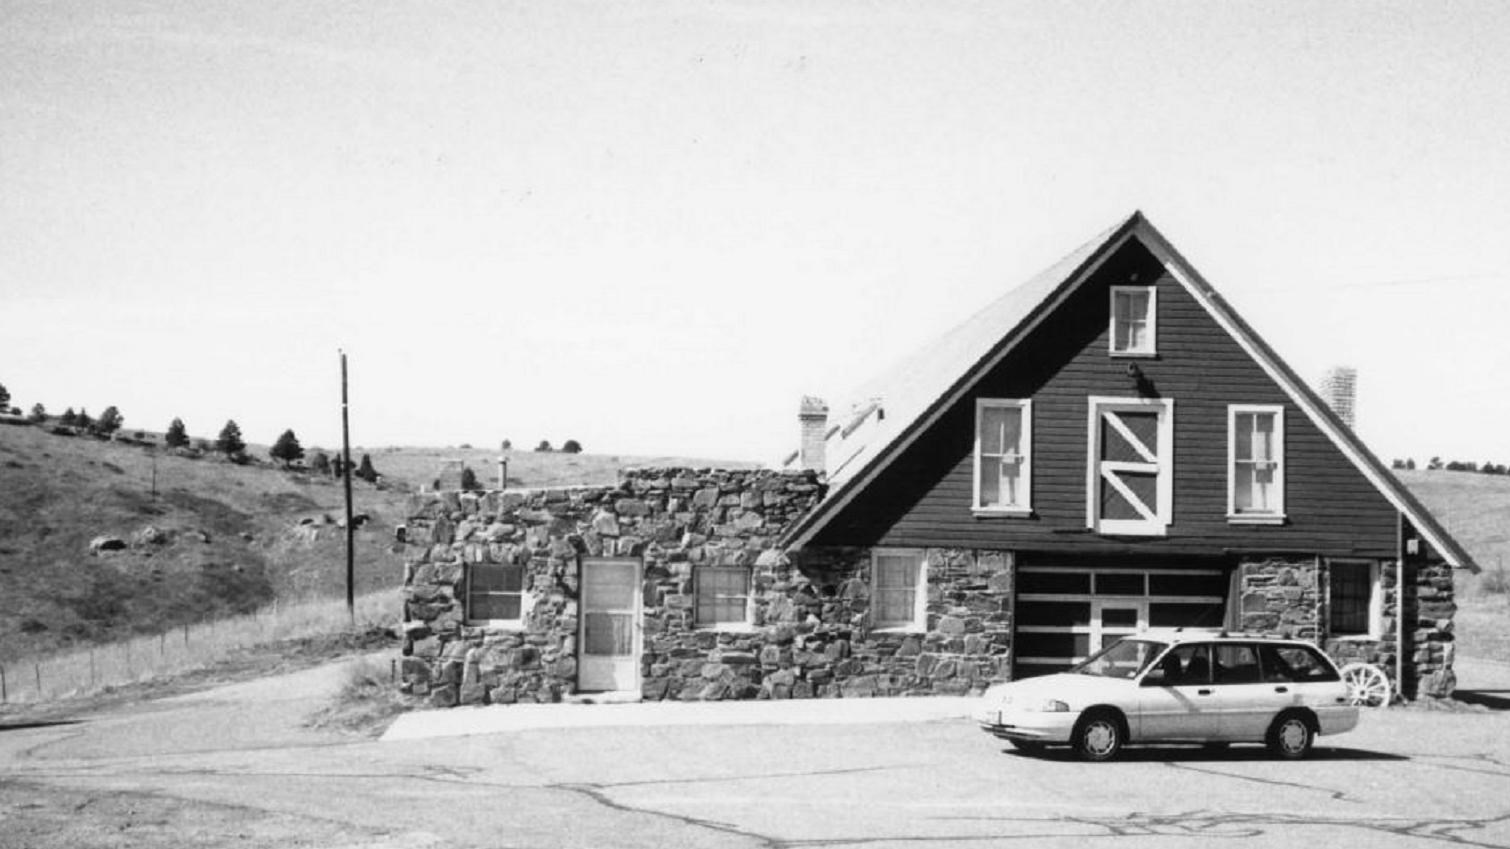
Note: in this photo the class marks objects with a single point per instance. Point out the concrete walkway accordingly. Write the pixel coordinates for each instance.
(492, 719)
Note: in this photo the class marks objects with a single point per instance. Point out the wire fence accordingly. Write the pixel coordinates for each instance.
(189, 647)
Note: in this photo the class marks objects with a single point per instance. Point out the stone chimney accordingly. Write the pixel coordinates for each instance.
(812, 415)
(1339, 387)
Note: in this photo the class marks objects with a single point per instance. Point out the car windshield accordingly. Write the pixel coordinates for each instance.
(1122, 659)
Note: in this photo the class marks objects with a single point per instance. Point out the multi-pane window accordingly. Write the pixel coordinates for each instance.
(495, 593)
(723, 596)
(1003, 469)
(1256, 480)
(1133, 319)
(1354, 598)
(897, 588)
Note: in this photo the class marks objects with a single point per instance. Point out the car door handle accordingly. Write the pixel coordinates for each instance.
(1203, 692)
(1281, 689)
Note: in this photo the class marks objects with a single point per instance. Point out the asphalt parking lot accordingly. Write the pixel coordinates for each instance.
(232, 767)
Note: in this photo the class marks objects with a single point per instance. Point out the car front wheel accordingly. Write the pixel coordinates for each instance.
(1290, 737)
(1098, 737)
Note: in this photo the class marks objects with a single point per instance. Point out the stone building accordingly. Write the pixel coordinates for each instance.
(1108, 447)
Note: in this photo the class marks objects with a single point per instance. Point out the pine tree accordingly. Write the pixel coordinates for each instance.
(4, 398)
(82, 420)
(177, 436)
(109, 421)
(229, 442)
(69, 418)
(38, 413)
(365, 471)
(469, 479)
(287, 448)
(319, 463)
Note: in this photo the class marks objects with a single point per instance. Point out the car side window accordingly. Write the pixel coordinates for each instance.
(1294, 663)
(1236, 663)
(1182, 665)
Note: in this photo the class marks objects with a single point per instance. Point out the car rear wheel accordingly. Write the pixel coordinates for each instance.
(1291, 736)
(1098, 737)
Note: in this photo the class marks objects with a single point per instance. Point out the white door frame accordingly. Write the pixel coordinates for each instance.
(620, 672)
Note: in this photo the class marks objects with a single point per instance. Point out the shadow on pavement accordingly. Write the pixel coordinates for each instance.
(1492, 699)
(44, 723)
(1233, 754)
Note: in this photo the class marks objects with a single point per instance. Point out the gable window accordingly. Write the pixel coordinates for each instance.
(1003, 468)
(1355, 599)
(1130, 466)
(1134, 319)
(898, 589)
(723, 596)
(495, 594)
(1255, 463)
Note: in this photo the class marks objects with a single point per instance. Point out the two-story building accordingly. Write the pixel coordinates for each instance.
(1107, 447)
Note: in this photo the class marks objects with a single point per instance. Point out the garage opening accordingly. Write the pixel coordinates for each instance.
(1064, 614)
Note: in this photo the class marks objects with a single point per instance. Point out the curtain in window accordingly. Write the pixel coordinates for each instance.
(1001, 457)
(1255, 463)
(894, 598)
(722, 594)
(1351, 590)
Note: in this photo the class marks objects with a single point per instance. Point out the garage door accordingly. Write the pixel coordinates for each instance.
(1066, 614)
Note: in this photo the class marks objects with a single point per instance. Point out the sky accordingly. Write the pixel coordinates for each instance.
(652, 226)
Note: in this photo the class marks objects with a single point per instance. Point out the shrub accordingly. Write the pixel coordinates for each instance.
(4, 398)
(109, 421)
(469, 480)
(544, 446)
(319, 462)
(38, 413)
(571, 446)
(69, 418)
(365, 471)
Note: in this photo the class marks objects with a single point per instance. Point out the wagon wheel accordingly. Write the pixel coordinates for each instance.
(1367, 684)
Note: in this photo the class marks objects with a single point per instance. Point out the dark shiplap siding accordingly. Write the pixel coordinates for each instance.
(923, 498)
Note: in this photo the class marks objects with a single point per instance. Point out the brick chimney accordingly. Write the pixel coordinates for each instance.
(812, 415)
(1339, 388)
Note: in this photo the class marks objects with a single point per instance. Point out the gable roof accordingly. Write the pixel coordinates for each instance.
(903, 402)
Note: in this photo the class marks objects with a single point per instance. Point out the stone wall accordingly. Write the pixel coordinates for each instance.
(1287, 596)
(808, 635)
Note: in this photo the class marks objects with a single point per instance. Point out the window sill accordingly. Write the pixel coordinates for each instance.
(1002, 512)
(1357, 638)
(1134, 355)
(910, 628)
(496, 624)
(1256, 518)
(726, 627)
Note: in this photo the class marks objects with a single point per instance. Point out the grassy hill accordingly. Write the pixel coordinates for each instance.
(1474, 507)
(213, 539)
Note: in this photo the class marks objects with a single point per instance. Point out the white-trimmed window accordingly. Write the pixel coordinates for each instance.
(1355, 599)
(1130, 466)
(1255, 463)
(723, 597)
(1134, 320)
(1003, 456)
(495, 594)
(898, 589)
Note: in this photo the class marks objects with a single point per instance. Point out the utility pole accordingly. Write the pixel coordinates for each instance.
(351, 608)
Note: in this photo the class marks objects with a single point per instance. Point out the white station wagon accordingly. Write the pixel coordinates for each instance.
(1178, 686)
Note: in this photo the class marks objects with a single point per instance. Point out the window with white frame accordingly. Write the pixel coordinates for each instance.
(1355, 598)
(898, 589)
(1003, 455)
(1130, 466)
(722, 595)
(495, 594)
(1255, 467)
(1134, 319)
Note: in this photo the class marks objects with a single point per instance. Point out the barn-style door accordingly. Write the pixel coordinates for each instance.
(1130, 480)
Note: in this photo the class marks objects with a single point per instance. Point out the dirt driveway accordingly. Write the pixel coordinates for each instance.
(233, 767)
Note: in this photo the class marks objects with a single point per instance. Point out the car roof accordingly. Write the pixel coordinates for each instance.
(1209, 635)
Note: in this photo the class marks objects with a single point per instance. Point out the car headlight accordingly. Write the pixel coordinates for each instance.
(1048, 706)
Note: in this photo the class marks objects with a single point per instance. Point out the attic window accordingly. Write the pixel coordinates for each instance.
(1134, 311)
(1003, 452)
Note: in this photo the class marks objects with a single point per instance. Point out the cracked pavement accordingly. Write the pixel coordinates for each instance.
(234, 766)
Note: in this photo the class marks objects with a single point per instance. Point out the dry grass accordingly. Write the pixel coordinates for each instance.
(420, 467)
(84, 672)
(366, 701)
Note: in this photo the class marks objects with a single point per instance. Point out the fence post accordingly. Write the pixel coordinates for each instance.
(4, 696)
(91, 666)
(37, 669)
(162, 645)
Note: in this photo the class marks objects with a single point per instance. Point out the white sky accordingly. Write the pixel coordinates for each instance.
(651, 226)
